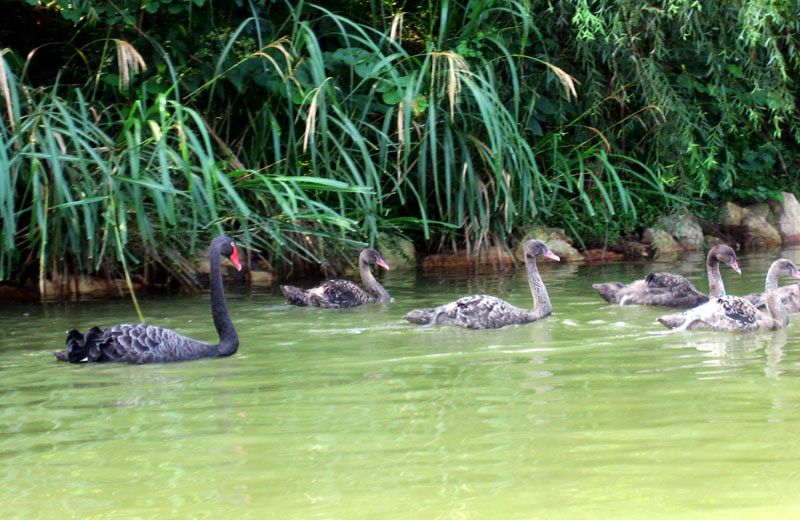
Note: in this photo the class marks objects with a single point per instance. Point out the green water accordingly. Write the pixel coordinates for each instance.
(591, 413)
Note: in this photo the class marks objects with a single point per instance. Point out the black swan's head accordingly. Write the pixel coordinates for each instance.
(534, 248)
(725, 254)
(785, 267)
(370, 256)
(227, 248)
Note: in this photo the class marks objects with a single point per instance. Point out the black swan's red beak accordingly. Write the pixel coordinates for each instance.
(234, 258)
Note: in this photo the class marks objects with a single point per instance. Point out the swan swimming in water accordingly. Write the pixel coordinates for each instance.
(732, 313)
(789, 296)
(142, 343)
(671, 290)
(489, 312)
(342, 294)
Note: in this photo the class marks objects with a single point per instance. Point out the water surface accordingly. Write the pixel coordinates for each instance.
(590, 413)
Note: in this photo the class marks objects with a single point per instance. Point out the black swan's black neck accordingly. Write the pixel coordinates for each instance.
(228, 338)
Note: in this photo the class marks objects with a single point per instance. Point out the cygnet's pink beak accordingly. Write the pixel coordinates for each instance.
(552, 256)
(381, 263)
(735, 266)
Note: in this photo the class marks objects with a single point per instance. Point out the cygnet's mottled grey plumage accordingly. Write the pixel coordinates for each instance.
(489, 312)
(671, 290)
(789, 296)
(735, 314)
(342, 294)
(141, 343)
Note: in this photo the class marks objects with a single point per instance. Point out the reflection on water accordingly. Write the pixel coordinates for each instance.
(592, 412)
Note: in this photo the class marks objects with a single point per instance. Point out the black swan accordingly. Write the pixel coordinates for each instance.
(671, 290)
(489, 312)
(732, 313)
(141, 343)
(342, 294)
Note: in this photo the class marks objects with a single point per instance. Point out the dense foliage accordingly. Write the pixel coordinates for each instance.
(133, 130)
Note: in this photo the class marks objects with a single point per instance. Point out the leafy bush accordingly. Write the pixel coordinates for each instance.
(89, 187)
(309, 129)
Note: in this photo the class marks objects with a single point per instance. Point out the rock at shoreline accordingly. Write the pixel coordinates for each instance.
(665, 247)
(492, 261)
(685, 228)
(635, 250)
(760, 233)
(603, 255)
(86, 286)
(398, 253)
(261, 278)
(555, 239)
(732, 214)
(762, 209)
(789, 219)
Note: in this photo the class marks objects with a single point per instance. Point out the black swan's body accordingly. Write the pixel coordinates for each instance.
(735, 314)
(490, 312)
(343, 294)
(671, 290)
(142, 343)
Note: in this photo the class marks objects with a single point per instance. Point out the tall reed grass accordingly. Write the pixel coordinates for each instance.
(309, 137)
(88, 188)
(447, 135)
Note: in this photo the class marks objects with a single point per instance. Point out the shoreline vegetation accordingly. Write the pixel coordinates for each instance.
(762, 226)
(131, 132)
